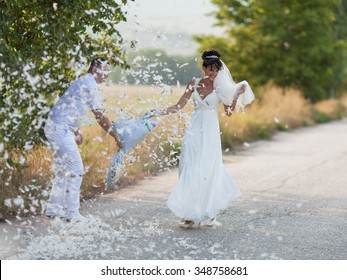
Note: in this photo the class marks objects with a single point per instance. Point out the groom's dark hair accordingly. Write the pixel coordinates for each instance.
(97, 62)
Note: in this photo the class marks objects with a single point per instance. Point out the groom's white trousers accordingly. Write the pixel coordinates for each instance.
(68, 172)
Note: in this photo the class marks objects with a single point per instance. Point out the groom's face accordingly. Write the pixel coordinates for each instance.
(101, 73)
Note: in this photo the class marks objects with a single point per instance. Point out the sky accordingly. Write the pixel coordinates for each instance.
(169, 24)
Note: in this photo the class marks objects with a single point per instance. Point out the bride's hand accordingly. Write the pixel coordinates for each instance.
(149, 114)
(228, 111)
(152, 113)
(242, 89)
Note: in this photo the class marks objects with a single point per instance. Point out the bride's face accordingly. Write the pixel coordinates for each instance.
(210, 72)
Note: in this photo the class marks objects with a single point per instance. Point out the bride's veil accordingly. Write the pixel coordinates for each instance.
(226, 89)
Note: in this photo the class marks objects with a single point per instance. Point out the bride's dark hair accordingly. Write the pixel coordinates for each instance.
(210, 58)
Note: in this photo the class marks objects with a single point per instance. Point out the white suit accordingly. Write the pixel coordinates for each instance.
(65, 118)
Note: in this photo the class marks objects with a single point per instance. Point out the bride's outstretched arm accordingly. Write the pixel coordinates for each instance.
(181, 102)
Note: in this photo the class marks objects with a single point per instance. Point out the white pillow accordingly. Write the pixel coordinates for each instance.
(131, 132)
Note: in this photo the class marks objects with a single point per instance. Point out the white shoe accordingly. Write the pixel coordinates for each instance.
(54, 214)
(75, 217)
(210, 222)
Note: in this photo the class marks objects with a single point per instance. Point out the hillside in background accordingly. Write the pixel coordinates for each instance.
(156, 67)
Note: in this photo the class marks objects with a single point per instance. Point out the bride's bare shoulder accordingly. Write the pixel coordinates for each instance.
(192, 81)
(191, 84)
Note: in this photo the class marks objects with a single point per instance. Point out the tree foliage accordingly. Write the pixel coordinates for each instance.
(297, 43)
(43, 46)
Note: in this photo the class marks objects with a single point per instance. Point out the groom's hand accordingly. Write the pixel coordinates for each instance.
(115, 136)
(119, 143)
(78, 137)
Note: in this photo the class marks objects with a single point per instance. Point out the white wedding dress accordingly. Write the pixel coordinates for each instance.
(204, 186)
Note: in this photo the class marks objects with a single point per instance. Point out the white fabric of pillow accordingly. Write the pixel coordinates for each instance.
(131, 132)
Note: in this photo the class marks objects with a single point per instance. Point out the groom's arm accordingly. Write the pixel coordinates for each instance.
(105, 123)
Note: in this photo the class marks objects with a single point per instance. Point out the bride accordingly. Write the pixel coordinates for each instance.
(204, 186)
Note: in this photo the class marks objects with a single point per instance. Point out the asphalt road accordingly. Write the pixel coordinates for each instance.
(294, 206)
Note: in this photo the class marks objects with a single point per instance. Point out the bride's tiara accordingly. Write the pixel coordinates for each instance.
(211, 57)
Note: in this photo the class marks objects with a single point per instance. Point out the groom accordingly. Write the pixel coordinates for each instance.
(62, 132)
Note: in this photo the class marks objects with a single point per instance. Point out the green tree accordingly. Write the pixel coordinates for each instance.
(340, 70)
(43, 46)
(292, 43)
